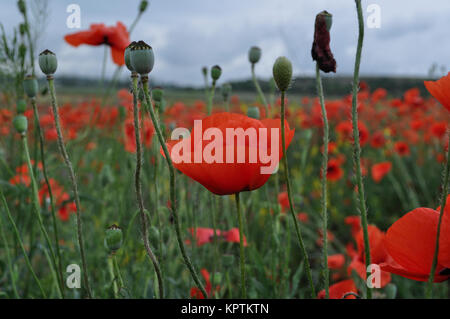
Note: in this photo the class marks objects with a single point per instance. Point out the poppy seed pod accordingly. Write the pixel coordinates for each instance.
(113, 238)
(328, 19)
(254, 54)
(253, 112)
(282, 73)
(142, 58)
(21, 6)
(48, 62)
(143, 6)
(23, 28)
(21, 106)
(127, 56)
(30, 85)
(22, 51)
(216, 71)
(205, 71)
(20, 123)
(226, 90)
(157, 94)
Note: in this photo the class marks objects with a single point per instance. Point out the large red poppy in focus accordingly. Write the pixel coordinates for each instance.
(115, 36)
(411, 242)
(229, 178)
(440, 89)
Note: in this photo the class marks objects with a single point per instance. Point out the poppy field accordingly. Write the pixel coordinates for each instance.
(131, 193)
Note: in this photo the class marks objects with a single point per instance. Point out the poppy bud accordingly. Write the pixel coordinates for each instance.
(282, 73)
(157, 94)
(254, 54)
(226, 91)
(153, 233)
(142, 58)
(21, 106)
(253, 112)
(205, 71)
(127, 55)
(217, 279)
(113, 238)
(21, 6)
(48, 62)
(20, 123)
(23, 28)
(30, 85)
(22, 51)
(321, 51)
(143, 6)
(216, 71)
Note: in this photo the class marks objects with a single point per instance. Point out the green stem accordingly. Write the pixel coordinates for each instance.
(19, 240)
(117, 269)
(63, 152)
(138, 186)
(113, 277)
(260, 92)
(326, 272)
(50, 193)
(445, 182)
(357, 146)
(8, 259)
(173, 196)
(241, 247)
(291, 202)
(211, 97)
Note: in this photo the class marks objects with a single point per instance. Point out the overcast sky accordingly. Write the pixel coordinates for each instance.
(186, 35)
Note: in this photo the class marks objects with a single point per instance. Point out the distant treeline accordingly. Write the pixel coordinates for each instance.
(334, 86)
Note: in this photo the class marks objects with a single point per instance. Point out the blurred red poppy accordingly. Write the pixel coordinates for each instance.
(340, 289)
(380, 170)
(115, 36)
(440, 89)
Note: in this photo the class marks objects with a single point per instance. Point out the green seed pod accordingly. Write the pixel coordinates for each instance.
(127, 56)
(153, 234)
(282, 73)
(157, 94)
(20, 123)
(216, 71)
(142, 58)
(143, 6)
(217, 279)
(205, 71)
(226, 91)
(30, 85)
(253, 112)
(21, 106)
(254, 54)
(48, 62)
(328, 18)
(113, 238)
(21, 6)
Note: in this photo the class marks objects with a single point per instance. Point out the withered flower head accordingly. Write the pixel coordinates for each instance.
(321, 51)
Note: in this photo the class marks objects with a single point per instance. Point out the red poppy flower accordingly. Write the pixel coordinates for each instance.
(334, 170)
(340, 289)
(378, 254)
(440, 89)
(380, 170)
(238, 172)
(355, 224)
(411, 242)
(345, 129)
(232, 236)
(378, 140)
(283, 200)
(115, 36)
(204, 235)
(401, 148)
(336, 261)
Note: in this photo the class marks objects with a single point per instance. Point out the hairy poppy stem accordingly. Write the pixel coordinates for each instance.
(37, 208)
(326, 272)
(173, 196)
(50, 193)
(211, 97)
(445, 182)
(63, 152)
(357, 146)
(19, 240)
(260, 92)
(138, 186)
(241, 247)
(291, 202)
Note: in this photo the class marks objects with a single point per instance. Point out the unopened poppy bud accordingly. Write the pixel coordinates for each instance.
(23, 28)
(205, 71)
(253, 112)
(254, 54)
(127, 56)
(20, 123)
(216, 71)
(21, 6)
(113, 238)
(30, 85)
(226, 91)
(157, 94)
(143, 6)
(21, 106)
(142, 58)
(321, 51)
(282, 73)
(48, 62)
